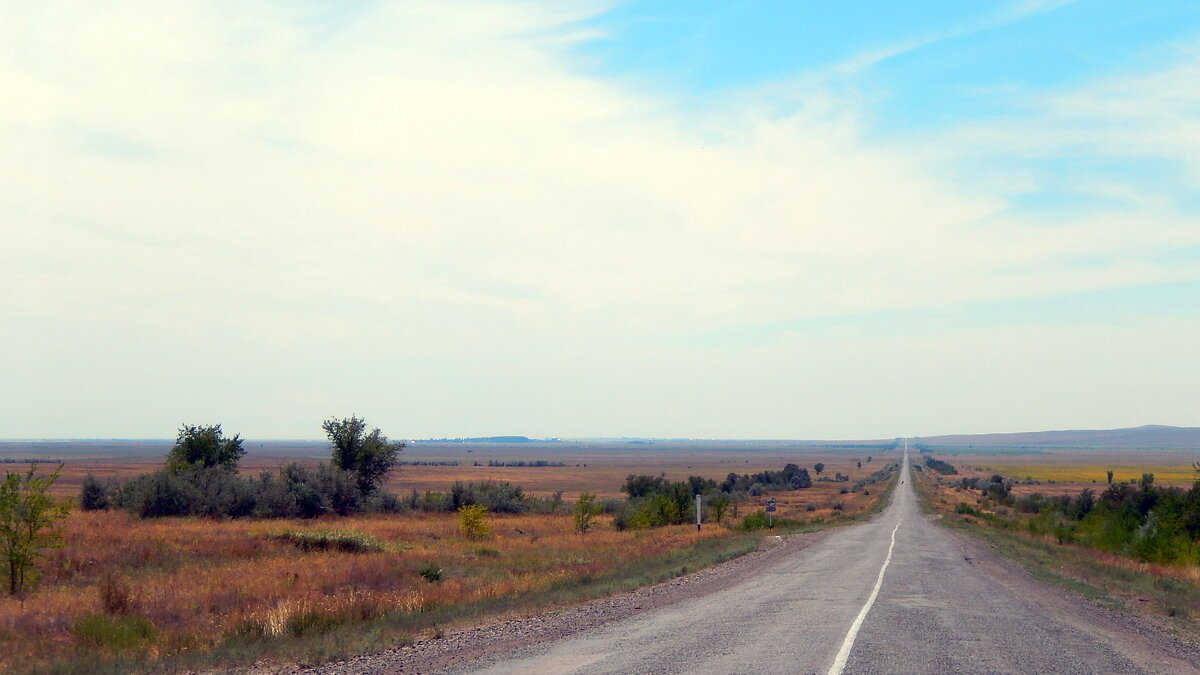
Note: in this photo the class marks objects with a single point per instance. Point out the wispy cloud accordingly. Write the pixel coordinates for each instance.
(428, 216)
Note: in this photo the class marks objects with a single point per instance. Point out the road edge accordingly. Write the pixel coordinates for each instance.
(492, 641)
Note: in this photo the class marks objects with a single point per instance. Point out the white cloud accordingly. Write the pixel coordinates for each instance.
(426, 215)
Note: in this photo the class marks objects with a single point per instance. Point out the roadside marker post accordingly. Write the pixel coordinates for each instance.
(770, 512)
(697, 513)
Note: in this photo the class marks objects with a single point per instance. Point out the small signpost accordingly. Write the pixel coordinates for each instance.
(770, 511)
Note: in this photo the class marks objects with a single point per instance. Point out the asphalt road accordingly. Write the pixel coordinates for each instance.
(895, 595)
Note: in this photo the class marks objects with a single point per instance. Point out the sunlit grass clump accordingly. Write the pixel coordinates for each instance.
(328, 540)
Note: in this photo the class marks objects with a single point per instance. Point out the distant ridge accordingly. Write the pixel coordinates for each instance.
(1149, 436)
(489, 439)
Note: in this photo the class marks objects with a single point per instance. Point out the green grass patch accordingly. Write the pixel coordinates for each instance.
(115, 632)
(328, 540)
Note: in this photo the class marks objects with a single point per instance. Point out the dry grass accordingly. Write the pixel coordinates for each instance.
(1083, 473)
(1081, 467)
(200, 582)
(124, 590)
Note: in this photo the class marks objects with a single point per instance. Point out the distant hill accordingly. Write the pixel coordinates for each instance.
(1149, 436)
(490, 439)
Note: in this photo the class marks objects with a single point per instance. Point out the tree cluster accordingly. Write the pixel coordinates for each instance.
(941, 466)
(791, 477)
(1138, 519)
(655, 501)
(199, 478)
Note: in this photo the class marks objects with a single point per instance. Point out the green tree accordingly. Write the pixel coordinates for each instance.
(27, 517)
(818, 467)
(369, 454)
(202, 447)
(584, 510)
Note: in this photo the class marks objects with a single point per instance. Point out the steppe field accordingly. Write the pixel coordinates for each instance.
(123, 593)
(1071, 470)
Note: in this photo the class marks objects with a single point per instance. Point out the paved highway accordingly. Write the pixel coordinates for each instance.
(895, 595)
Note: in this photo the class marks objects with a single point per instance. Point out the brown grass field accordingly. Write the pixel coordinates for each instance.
(186, 592)
(1069, 471)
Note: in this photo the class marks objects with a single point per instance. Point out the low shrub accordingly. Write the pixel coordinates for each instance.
(116, 596)
(328, 540)
(292, 618)
(472, 521)
(93, 495)
(120, 632)
(755, 521)
(584, 510)
(941, 466)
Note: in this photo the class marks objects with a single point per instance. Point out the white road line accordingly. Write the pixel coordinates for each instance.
(839, 663)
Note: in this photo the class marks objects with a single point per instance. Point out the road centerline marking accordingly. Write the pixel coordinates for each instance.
(839, 663)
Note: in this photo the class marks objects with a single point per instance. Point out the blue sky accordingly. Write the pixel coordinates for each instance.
(953, 59)
(701, 219)
(926, 66)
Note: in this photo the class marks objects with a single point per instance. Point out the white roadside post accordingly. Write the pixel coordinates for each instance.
(697, 513)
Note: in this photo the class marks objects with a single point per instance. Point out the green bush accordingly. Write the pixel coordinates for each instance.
(584, 510)
(755, 521)
(93, 495)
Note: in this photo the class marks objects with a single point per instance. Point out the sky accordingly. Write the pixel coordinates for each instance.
(758, 219)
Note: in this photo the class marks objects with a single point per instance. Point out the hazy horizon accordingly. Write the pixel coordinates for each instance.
(641, 219)
(565, 439)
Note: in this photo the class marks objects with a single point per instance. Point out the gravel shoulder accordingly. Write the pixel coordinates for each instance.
(497, 638)
(1151, 643)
